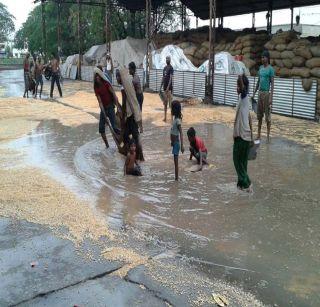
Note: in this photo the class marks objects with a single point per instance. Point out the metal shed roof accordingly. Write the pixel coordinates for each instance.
(200, 8)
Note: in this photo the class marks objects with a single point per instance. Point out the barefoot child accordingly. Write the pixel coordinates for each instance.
(175, 133)
(197, 148)
(131, 166)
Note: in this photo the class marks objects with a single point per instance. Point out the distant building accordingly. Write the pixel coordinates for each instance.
(305, 29)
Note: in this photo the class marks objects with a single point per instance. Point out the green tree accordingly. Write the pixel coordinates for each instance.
(6, 23)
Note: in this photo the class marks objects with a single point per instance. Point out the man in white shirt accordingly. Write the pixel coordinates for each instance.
(109, 66)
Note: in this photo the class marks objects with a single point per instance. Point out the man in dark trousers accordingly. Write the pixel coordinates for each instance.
(55, 63)
(167, 85)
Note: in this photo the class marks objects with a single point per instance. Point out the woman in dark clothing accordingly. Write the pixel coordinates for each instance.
(136, 83)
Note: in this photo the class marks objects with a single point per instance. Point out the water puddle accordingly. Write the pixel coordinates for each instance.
(268, 241)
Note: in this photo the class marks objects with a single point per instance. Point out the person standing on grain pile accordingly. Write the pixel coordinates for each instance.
(265, 86)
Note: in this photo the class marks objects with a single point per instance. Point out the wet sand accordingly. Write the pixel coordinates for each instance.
(267, 242)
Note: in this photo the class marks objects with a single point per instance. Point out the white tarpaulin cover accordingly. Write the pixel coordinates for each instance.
(122, 52)
(178, 59)
(225, 64)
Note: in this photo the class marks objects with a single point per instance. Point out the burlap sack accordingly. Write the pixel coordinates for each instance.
(307, 84)
(287, 63)
(315, 72)
(205, 44)
(298, 61)
(272, 62)
(228, 46)
(239, 46)
(279, 63)
(285, 72)
(304, 52)
(284, 37)
(249, 56)
(238, 51)
(274, 54)
(270, 45)
(248, 43)
(184, 45)
(281, 47)
(315, 50)
(249, 63)
(190, 50)
(298, 43)
(287, 54)
(248, 37)
(300, 72)
(312, 63)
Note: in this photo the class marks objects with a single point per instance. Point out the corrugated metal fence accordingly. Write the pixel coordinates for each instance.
(289, 96)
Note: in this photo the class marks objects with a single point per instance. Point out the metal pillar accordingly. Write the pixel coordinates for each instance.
(59, 27)
(44, 34)
(183, 17)
(79, 40)
(212, 36)
(291, 25)
(253, 20)
(108, 26)
(148, 38)
(197, 22)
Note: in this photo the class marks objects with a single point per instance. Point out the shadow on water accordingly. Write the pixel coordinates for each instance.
(268, 242)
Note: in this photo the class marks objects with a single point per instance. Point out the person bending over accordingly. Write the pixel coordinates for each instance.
(197, 147)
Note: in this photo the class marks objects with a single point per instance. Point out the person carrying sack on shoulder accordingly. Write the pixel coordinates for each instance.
(242, 135)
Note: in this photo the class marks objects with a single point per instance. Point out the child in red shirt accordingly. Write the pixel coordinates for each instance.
(197, 147)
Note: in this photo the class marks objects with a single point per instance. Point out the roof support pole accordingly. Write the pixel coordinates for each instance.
(148, 38)
(212, 26)
(253, 20)
(79, 40)
(183, 17)
(291, 25)
(59, 27)
(44, 34)
(108, 26)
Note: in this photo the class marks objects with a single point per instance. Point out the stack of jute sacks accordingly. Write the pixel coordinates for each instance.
(298, 58)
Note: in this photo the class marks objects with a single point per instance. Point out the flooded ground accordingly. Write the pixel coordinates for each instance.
(268, 242)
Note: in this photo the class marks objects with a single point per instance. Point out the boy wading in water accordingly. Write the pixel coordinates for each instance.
(176, 135)
(265, 86)
(242, 135)
(131, 166)
(197, 148)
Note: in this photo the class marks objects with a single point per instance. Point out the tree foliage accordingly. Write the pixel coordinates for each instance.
(123, 24)
(6, 23)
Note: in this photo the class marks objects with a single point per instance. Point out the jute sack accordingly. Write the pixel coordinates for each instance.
(279, 63)
(284, 72)
(304, 52)
(287, 63)
(281, 47)
(298, 61)
(312, 63)
(274, 54)
(190, 50)
(298, 43)
(315, 72)
(249, 63)
(248, 43)
(205, 44)
(270, 45)
(315, 50)
(307, 84)
(300, 72)
(287, 55)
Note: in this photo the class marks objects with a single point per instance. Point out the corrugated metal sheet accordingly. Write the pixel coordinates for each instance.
(282, 101)
(219, 89)
(155, 79)
(231, 96)
(87, 73)
(304, 103)
(73, 72)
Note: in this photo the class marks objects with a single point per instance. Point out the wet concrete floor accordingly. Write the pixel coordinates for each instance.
(268, 242)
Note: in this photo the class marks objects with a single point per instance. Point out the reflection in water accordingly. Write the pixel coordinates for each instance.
(268, 241)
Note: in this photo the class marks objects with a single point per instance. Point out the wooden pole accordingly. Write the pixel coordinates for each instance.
(291, 26)
(209, 82)
(59, 27)
(253, 20)
(214, 42)
(44, 34)
(148, 36)
(108, 26)
(79, 40)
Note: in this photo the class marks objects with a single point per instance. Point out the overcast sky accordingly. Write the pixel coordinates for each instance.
(309, 15)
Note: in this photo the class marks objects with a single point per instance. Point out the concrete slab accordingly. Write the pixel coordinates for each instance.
(57, 263)
(101, 292)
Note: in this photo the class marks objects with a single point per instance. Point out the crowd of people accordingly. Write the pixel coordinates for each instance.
(34, 68)
(125, 123)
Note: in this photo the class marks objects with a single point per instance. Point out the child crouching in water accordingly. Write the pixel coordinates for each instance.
(176, 135)
(131, 166)
(197, 148)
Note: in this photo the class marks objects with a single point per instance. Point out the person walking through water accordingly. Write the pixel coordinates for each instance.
(38, 71)
(136, 83)
(242, 135)
(167, 85)
(265, 86)
(109, 66)
(107, 101)
(26, 74)
(55, 77)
